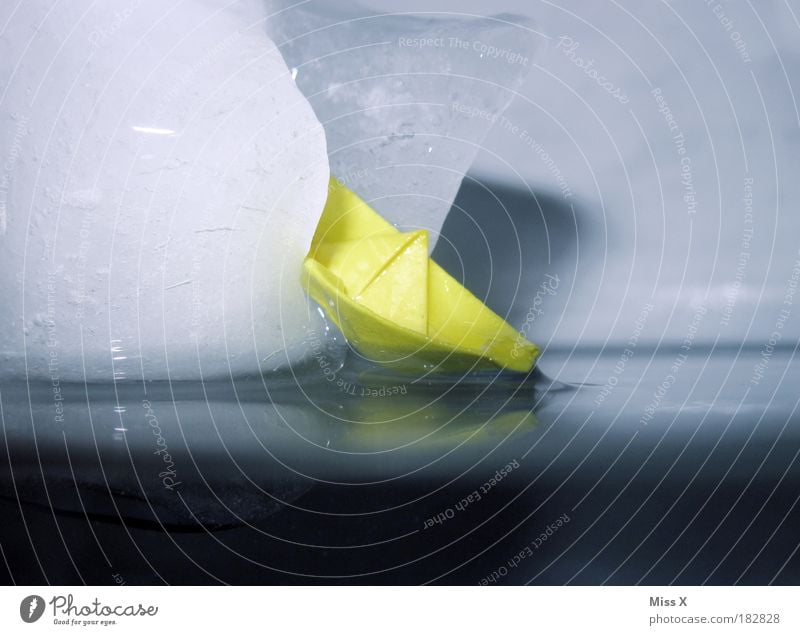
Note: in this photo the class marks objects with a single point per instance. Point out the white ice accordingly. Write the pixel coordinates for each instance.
(163, 174)
(406, 99)
(161, 178)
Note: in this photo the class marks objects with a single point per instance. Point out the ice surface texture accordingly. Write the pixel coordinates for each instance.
(164, 175)
(161, 182)
(405, 99)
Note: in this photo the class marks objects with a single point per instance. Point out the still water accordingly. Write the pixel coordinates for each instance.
(584, 471)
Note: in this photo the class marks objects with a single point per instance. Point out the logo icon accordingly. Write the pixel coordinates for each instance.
(31, 608)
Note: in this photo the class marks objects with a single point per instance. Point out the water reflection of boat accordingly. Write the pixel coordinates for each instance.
(189, 455)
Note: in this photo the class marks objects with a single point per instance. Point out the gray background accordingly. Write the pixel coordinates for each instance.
(632, 239)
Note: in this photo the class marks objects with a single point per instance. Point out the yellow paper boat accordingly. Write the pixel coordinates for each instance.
(394, 304)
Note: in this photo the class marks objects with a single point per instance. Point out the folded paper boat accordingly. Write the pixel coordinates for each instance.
(394, 304)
